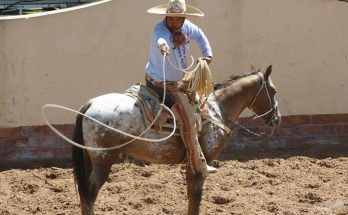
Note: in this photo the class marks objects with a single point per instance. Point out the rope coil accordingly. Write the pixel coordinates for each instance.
(200, 79)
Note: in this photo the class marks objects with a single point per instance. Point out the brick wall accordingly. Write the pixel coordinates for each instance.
(297, 131)
(24, 145)
(20, 146)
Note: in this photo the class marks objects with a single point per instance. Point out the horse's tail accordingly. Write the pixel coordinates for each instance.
(80, 160)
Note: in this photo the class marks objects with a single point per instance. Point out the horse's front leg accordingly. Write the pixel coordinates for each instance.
(194, 183)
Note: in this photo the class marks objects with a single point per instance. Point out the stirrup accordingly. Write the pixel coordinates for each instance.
(211, 169)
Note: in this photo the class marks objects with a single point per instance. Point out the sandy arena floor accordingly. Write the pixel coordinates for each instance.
(260, 183)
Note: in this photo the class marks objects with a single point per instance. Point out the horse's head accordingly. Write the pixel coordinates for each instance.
(264, 104)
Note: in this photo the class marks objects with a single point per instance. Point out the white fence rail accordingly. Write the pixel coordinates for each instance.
(12, 5)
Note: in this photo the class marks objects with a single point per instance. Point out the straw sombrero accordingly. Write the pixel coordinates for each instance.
(177, 8)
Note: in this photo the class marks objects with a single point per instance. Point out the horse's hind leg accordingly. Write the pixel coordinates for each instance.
(194, 183)
(98, 175)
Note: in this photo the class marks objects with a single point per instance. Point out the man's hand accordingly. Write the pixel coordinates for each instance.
(164, 48)
(208, 59)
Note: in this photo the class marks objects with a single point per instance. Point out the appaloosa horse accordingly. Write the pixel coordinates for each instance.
(91, 168)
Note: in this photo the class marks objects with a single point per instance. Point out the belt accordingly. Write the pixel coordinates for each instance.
(171, 84)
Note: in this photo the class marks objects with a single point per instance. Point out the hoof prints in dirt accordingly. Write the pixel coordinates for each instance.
(292, 185)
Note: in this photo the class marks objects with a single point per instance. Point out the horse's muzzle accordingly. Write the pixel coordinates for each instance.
(276, 118)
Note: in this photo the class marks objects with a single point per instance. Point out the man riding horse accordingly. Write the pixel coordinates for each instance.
(171, 37)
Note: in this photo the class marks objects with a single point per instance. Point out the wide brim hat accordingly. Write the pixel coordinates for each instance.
(176, 8)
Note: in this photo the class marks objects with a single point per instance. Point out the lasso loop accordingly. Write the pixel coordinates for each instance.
(44, 107)
(184, 70)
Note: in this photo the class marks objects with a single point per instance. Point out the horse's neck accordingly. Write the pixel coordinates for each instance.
(238, 96)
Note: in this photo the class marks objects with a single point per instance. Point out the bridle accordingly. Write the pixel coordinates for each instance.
(273, 103)
(273, 107)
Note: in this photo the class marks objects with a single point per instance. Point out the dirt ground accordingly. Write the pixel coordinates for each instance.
(261, 183)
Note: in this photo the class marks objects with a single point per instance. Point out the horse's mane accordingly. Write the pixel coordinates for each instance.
(232, 79)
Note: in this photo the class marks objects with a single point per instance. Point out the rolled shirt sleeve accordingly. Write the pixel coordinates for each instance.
(202, 41)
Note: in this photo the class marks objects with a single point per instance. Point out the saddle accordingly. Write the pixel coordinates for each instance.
(150, 104)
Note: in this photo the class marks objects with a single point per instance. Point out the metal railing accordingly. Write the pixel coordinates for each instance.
(19, 7)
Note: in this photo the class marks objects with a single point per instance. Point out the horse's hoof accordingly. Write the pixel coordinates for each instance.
(211, 169)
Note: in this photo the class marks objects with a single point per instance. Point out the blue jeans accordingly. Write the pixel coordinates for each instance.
(168, 101)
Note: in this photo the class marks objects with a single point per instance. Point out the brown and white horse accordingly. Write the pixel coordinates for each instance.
(91, 168)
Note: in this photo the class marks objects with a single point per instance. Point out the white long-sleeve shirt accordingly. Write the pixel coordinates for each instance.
(161, 34)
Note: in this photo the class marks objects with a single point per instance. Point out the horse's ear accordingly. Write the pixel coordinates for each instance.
(252, 68)
(268, 72)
